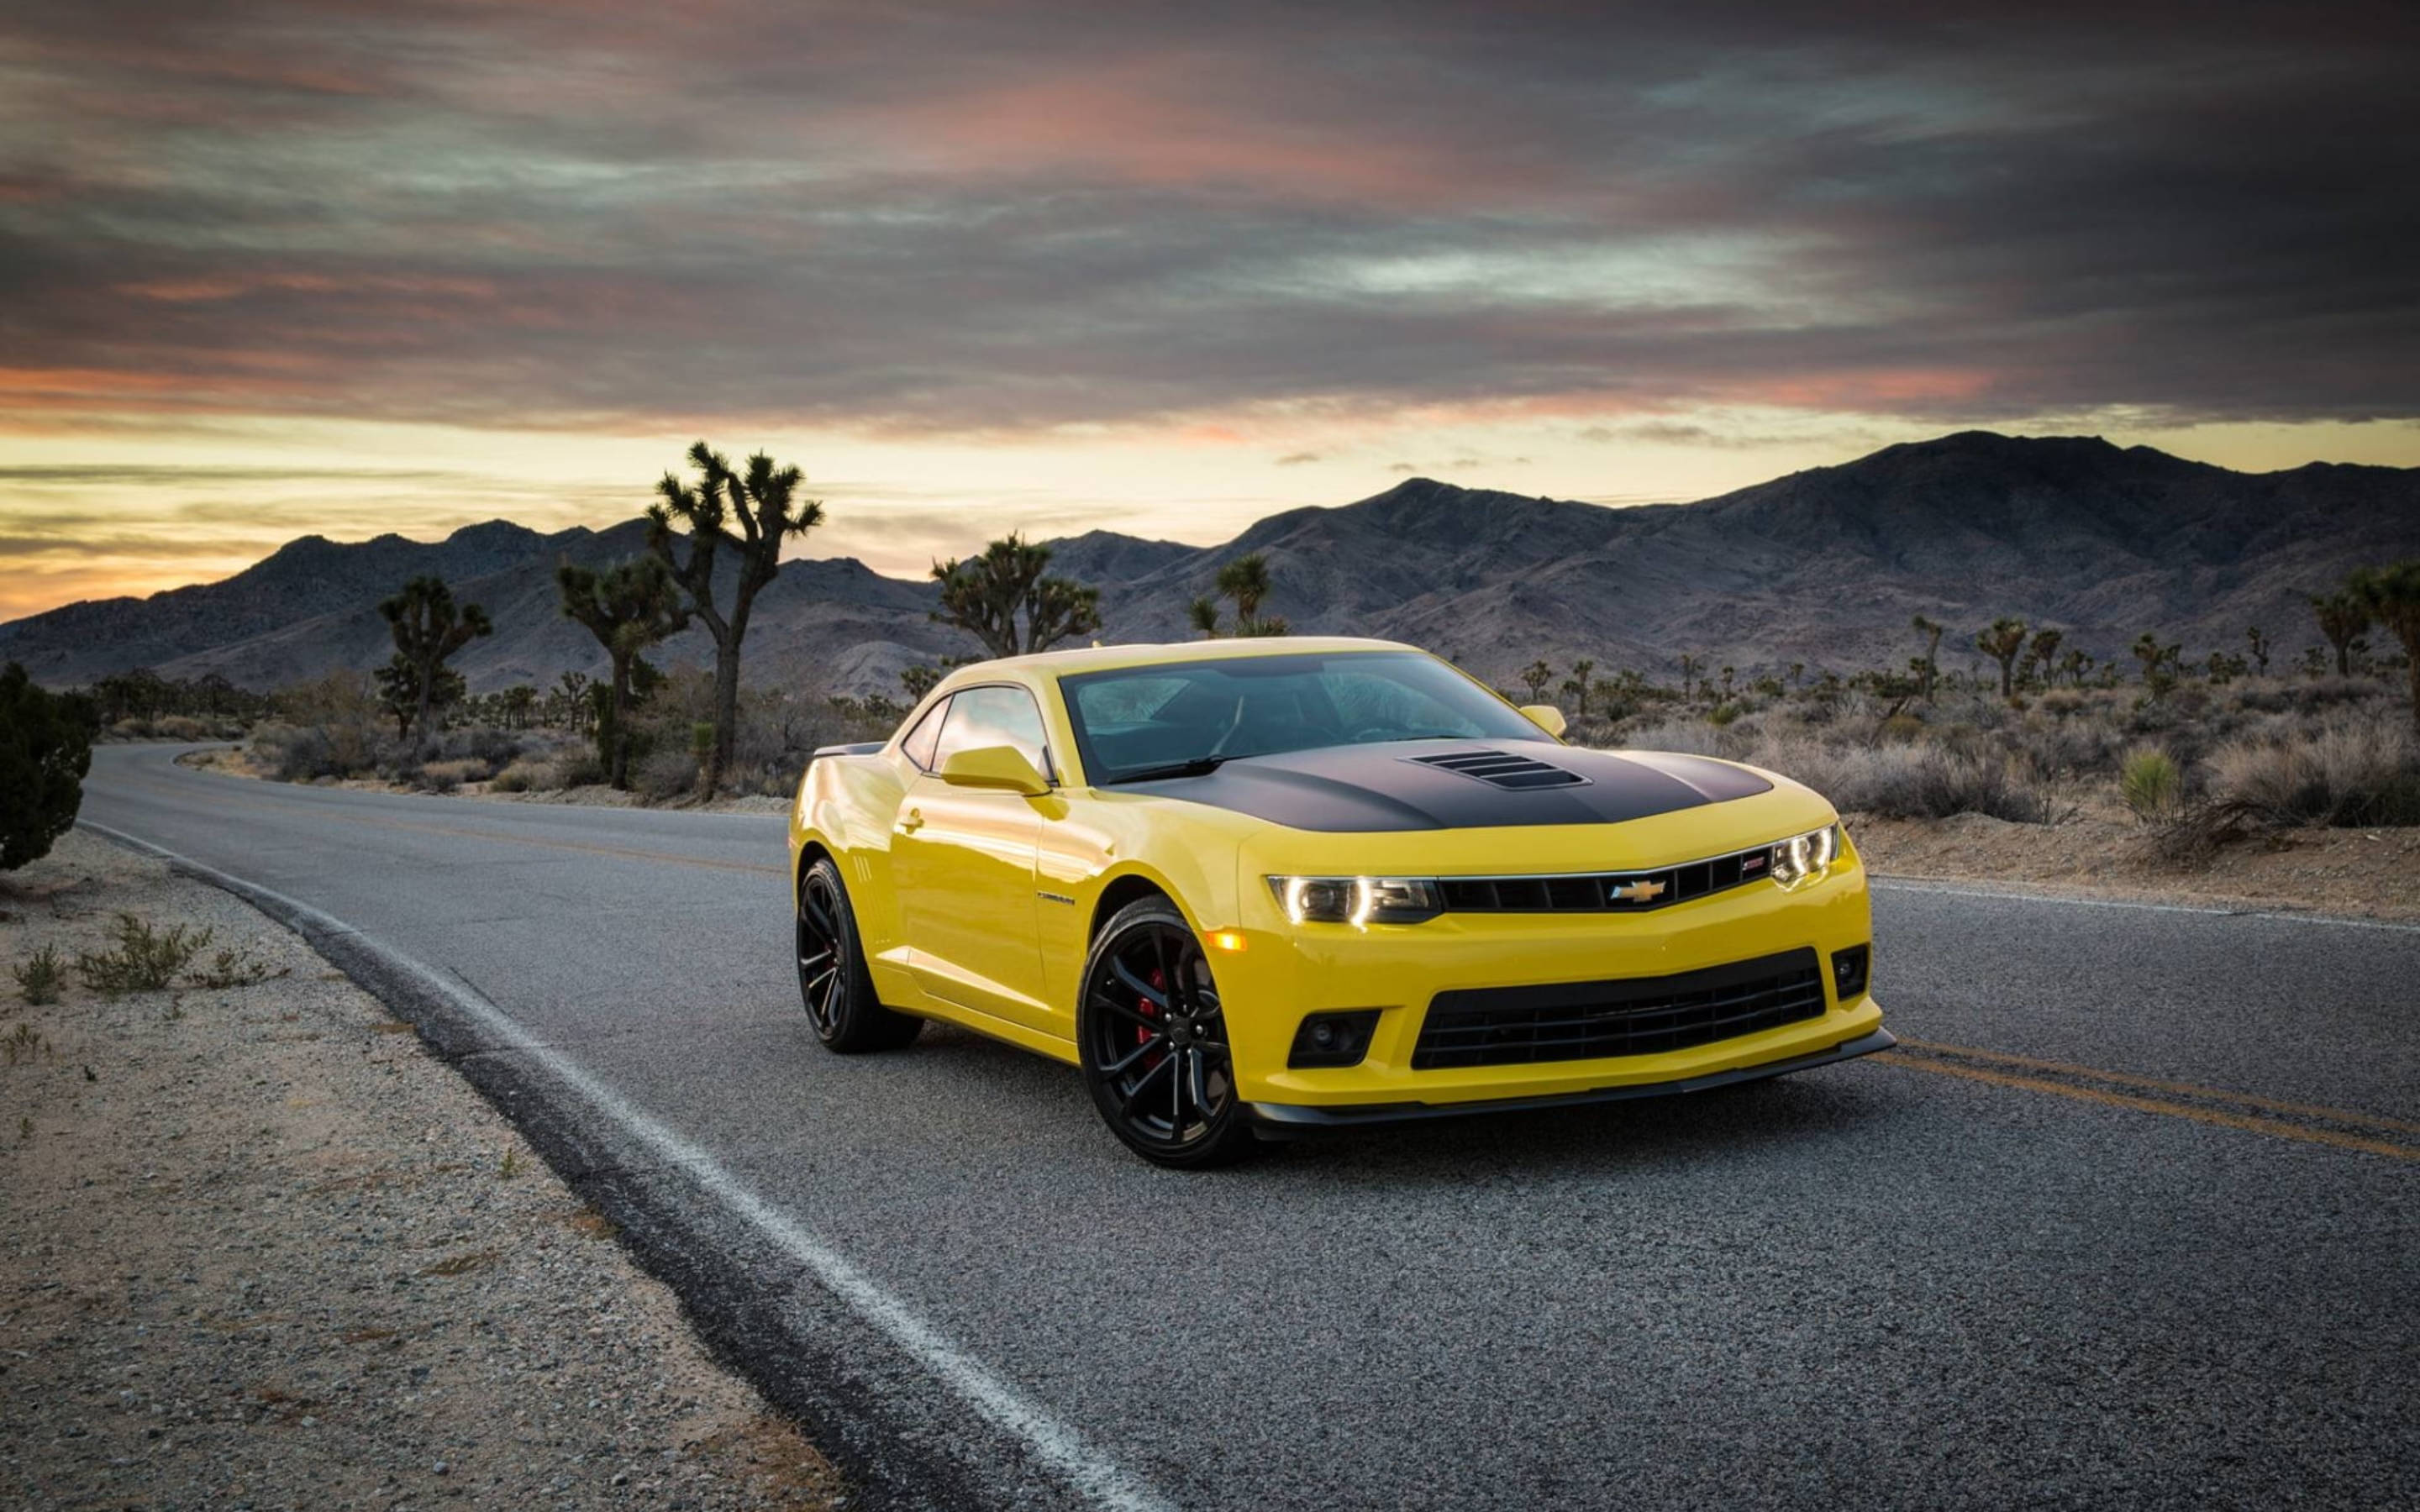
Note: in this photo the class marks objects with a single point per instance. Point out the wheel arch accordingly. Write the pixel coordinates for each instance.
(1126, 889)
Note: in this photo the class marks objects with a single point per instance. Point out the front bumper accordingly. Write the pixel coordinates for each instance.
(1283, 1119)
(1284, 972)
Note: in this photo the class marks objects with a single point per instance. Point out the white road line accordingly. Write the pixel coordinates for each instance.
(1893, 884)
(1055, 1442)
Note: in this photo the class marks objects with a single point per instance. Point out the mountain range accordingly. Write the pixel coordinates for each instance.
(1823, 568)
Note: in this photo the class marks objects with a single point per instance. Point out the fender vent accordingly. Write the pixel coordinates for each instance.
(1503, 769)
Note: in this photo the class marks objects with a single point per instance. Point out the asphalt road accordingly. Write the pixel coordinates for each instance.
(2129, 1222)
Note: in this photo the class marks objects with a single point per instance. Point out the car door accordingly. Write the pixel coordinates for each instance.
(963, 864)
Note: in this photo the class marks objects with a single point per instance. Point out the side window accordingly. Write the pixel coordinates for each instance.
(993, 717)
(927, 733)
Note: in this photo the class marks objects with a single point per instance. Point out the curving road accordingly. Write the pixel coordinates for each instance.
(2129, 1222)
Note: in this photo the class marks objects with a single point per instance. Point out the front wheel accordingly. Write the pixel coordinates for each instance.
(1152, 1035)
(833, 984)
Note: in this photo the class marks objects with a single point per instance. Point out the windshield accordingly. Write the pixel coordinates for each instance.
(1138, 721)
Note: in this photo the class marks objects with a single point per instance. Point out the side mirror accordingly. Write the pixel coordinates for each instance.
(1545, 716)
(1002, 768)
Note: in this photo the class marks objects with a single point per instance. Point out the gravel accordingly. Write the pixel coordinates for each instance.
(264, 1251)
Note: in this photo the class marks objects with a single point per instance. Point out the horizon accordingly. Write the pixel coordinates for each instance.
(279, 270)
(919, 573)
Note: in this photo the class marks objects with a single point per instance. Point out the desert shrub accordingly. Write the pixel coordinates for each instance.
(525, 776)
(447, 775)
(1914, 781)
(2152, 783)
(2349, 772)
(1692, 737)
(39, 976)
(487, 748)
(145, 960)
(234, 968)
(578, 769)
(666, 773)
(45, 749)
(2192, 834)
(292, 755)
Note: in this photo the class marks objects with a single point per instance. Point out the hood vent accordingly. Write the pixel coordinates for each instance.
(1503, 769)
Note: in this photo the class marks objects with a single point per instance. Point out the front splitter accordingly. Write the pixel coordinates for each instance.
(1283, 1119)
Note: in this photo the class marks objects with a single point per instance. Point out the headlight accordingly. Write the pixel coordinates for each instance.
(1356, 899)
(1803, 858)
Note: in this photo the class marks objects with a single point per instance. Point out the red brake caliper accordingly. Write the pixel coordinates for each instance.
(1143, 1035)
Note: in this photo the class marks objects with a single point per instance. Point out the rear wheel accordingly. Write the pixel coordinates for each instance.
(1152, 1035)
(834, 983)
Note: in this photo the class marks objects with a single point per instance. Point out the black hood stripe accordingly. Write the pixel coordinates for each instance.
(1374, 789)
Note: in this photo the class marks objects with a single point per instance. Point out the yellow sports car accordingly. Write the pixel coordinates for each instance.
(1257, 886)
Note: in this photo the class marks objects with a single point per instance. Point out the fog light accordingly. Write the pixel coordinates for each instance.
(1334, 1038)
(1849, 969)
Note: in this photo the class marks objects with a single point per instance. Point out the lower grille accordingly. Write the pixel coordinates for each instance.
(1627, 1016)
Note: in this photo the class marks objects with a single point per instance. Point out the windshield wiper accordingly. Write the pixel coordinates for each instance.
(1193, 766)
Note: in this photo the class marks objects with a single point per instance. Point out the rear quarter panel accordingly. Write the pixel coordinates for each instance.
(845, 807)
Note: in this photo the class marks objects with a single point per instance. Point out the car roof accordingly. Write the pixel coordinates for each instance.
(1106, 658)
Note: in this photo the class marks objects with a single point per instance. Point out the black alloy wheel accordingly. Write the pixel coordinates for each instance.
(1152, 1035)
(834, 983)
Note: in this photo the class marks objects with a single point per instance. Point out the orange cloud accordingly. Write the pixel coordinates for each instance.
(1162, 122)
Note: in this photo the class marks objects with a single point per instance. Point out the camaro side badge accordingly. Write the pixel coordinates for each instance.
(1639, 892)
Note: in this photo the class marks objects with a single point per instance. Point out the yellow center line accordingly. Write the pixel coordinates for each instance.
(2148, 1105)
(2119, 1078)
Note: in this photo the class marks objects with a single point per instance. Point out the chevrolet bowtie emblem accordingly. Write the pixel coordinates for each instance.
(1639, 892)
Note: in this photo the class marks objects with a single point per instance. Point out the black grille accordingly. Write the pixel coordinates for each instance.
(1609, 892)
(1503, 769)
(1628, 1016)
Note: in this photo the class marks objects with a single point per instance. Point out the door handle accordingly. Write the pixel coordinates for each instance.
(912, 821)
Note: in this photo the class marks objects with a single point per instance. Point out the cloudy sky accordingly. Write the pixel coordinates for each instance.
(269, 267)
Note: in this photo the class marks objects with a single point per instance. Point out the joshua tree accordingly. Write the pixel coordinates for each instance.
(2259, 645)
(984, 595)
(428, 628)
(2003, 642)
(1535, 677)
(405, 698)
(2342, 617)
(918, 680)
(764, 501)
(2392, 595)
(1577, 683)
(629, 607)
(2159, 662)
(569, 696)
(2042, 654)
(1690, 667)
(1797, 674)
(1246, 580)
(1926, 667)
(1204, 614)
(1727, 674)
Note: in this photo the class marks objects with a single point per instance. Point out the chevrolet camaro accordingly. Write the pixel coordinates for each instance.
(1253, 887)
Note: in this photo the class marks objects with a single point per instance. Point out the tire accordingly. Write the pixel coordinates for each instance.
(1140, 1041)
(834, 987)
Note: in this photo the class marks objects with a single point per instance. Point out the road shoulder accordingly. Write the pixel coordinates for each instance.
(265, 1247)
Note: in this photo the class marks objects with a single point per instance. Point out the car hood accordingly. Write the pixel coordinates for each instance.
(1401, 785)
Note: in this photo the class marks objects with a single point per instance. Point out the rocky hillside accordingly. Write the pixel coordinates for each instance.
(1823, 568)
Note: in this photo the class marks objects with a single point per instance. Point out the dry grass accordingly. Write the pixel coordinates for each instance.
(2349, 771)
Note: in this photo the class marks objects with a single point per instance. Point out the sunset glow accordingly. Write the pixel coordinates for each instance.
(281, 267)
